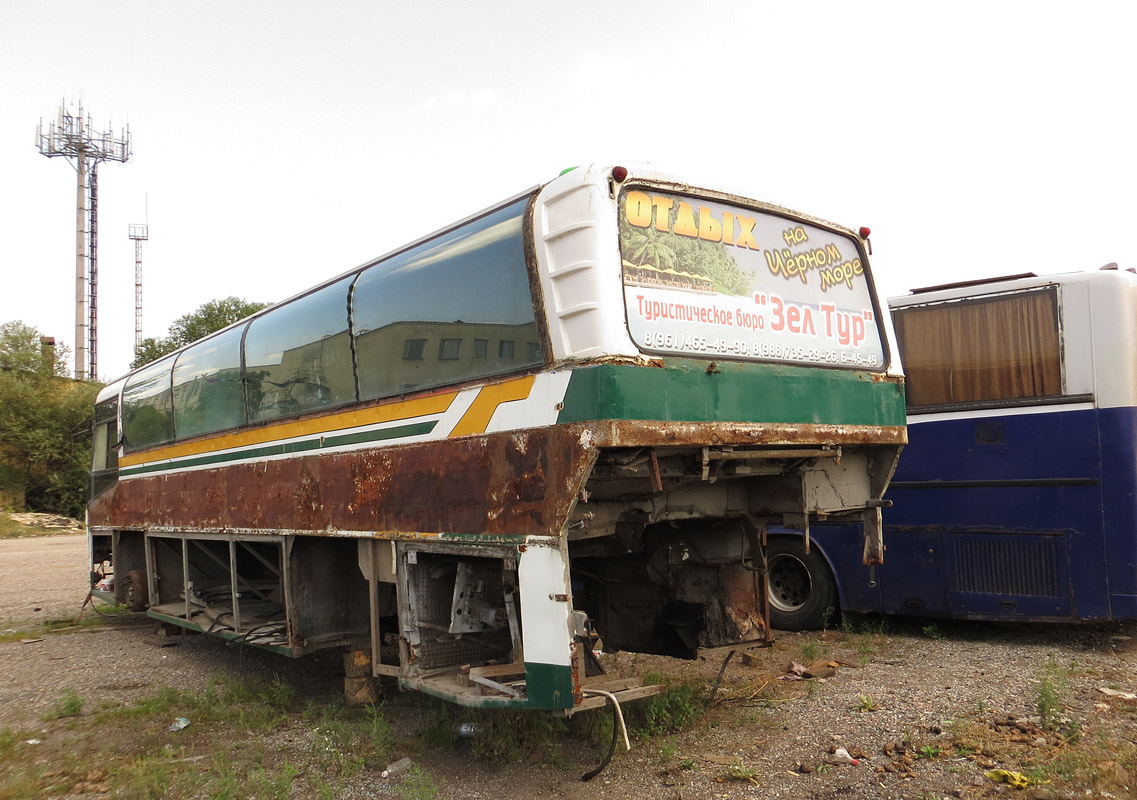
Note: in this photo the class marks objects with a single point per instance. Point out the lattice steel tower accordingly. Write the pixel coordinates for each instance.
(139, 233)
(71, 136)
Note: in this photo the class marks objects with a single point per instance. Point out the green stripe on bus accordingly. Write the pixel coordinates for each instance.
(548, 685)
(684, 391)
(285, 448)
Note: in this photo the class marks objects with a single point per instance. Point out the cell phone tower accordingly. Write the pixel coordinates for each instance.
(139, 233)
(72, 136)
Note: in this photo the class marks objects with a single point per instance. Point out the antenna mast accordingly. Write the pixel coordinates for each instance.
(71, 136)
(139, 233)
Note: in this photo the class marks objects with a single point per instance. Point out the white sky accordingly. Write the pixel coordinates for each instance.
(281, 143)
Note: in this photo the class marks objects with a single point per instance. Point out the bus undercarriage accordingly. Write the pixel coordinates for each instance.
(494, 566)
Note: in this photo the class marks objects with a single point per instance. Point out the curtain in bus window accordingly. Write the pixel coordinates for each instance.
(448, 310)
(298, 356)
(990, 350)
(207, 386)
(147, 415)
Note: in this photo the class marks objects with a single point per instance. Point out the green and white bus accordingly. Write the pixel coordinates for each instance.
(570, 415)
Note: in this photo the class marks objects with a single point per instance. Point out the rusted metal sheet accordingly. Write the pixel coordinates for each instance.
(505, 484)
(628, 433)
(742, 598)
(520, 483)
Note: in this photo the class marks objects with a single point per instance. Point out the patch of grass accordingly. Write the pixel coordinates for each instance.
(929, 751)
(68, 705)
(10, 529)
(810, 651)
(507, 736)
(676, 709)
(147, 778)
(1052, 685)
(333, 751)
(741, 772)
(418, 785)
(380, 734)
(16, 635)
(932, 631)
(266, 787)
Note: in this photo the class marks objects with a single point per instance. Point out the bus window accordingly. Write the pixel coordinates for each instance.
(987, 350)
(104, 447)
(298, 356)
(147, 413)
(419, 315)
(207, 386)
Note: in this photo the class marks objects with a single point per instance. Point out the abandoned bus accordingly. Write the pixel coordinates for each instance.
(1015, 498)
(571, 415)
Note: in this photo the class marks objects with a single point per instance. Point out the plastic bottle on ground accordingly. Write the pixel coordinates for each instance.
(397, 768)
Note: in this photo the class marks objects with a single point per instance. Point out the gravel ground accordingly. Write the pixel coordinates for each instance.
(916, 686)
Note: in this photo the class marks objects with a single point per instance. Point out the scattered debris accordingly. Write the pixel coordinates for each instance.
(1015, 779)
(841, 756)
(1115, 693)
(33, 741)
(673, 776)
(397, 768)
(31, 641)
(47, 522)
(179, 724)
(94, 782)
(820, 669)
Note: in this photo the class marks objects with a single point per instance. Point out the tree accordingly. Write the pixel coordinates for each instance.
(210, 317)
(45, 436)
(22, 350)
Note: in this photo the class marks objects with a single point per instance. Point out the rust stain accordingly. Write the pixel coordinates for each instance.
(507, 483)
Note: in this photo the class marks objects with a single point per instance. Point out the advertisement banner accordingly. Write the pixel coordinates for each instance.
(706, 278)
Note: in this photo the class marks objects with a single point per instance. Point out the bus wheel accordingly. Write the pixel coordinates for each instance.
(802, 591)
(137, 593)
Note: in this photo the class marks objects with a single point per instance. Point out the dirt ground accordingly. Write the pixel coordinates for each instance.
(928, 709)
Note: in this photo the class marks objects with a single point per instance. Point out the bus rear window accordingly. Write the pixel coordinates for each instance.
(706, 278)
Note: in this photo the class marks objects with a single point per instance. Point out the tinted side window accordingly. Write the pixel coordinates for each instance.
(981, 350)
(207, 386)
(446, 295)
(147, 414)
(298, 356)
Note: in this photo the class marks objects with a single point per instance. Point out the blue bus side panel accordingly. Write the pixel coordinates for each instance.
(1119, 507)
(843, 546)
(1005, 518)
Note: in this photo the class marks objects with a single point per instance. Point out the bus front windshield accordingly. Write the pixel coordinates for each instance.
(707, 278)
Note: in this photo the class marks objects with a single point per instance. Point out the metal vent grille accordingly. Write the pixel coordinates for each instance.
(1009, 565)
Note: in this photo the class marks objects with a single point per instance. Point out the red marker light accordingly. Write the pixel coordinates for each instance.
(619, 173)
(865, 233)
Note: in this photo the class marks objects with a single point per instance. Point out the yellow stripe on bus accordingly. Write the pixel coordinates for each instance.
(477, 416)
(407, 409)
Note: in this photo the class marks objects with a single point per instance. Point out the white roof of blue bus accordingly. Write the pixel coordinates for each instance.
(998, 285)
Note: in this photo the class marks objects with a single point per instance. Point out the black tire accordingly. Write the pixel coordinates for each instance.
(803, 594)
(137, 592)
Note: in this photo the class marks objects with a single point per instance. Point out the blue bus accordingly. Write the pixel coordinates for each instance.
(1016, 496)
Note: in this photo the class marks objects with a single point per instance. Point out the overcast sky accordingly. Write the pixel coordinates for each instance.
(280, 143)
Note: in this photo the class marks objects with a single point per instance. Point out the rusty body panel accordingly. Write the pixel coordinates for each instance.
(499, 484)
(521, 483)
